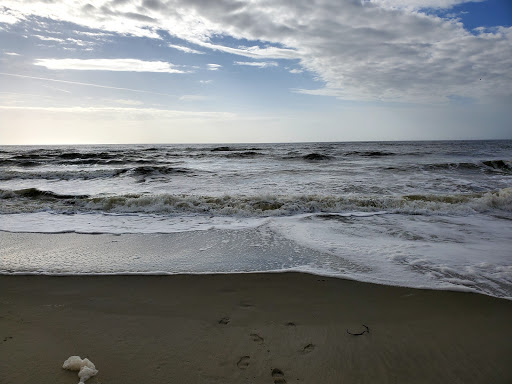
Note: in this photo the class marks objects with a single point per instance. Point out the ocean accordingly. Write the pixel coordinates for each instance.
(434, 215)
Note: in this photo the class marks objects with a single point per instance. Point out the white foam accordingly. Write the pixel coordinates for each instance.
(47, 222)
(85, 367)
(436, 251)
(416, 251)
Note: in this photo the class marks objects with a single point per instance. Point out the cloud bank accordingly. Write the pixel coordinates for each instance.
(360, 49)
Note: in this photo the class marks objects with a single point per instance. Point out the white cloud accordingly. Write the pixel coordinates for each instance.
(123, 65)
(254, 52)
(81, 43)
(124, 112)
(259, 64)
(213, 67)
(11, 54)
(362, 50)
(419, 4)
(206, 81)
(193, 98)
(49, 38)
(128, 102)
(93, 34)
(68, 41)
(185, 49)
(9, 16)
(296, 71)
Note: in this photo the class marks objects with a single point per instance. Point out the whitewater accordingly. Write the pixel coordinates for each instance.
(432, 215)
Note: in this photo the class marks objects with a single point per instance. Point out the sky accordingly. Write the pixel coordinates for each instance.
(225, 71)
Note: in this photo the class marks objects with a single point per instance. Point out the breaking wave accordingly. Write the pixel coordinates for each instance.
(501, 165)
(34, 193)
(484, 166)
(33, 200)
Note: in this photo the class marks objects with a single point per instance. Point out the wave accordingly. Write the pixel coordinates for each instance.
(34, 200)
(453, 166)
(140, 173)
(243, 155)
(482, 166)
(221, 149)
(370, 153)
(316, 157)
(81, 155)
(62, 175)
(19, 163)
(231, 149)
(143, 173)
(34, 193)
(34, 163)
(30, 156)
(311, 157)
(96, 162)
(501, 165)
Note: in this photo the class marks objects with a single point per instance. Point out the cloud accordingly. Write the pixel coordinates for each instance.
(259, 64)
(140, 113)
(66, 41)
(82, 84)
(383, 50)
(11, 54)
(128, 102)
(213, 67)
(93, 34)
(255, 52)
(185, 49)
(9, 16)
(49, 38)
(122, 65)
(193, 98)
(296, 71)
(420, 4)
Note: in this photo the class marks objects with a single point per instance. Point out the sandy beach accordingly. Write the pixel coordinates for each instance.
(249, 328)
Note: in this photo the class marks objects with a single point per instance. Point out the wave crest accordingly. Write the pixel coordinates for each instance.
(33, 200)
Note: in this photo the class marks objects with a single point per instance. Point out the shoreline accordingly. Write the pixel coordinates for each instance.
(198, 253)
(249, 327)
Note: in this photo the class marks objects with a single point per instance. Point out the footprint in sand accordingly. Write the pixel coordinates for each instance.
(278, 376)
(224, 320)
(308, 348)
(243, 363)
(257, 338)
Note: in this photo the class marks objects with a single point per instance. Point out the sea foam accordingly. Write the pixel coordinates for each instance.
(85, 367)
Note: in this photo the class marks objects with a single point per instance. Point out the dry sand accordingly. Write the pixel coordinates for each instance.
(249, 328)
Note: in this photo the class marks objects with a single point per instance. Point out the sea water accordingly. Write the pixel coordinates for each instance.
(421, 214)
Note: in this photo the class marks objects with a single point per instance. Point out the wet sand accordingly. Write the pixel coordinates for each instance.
(249, 328)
